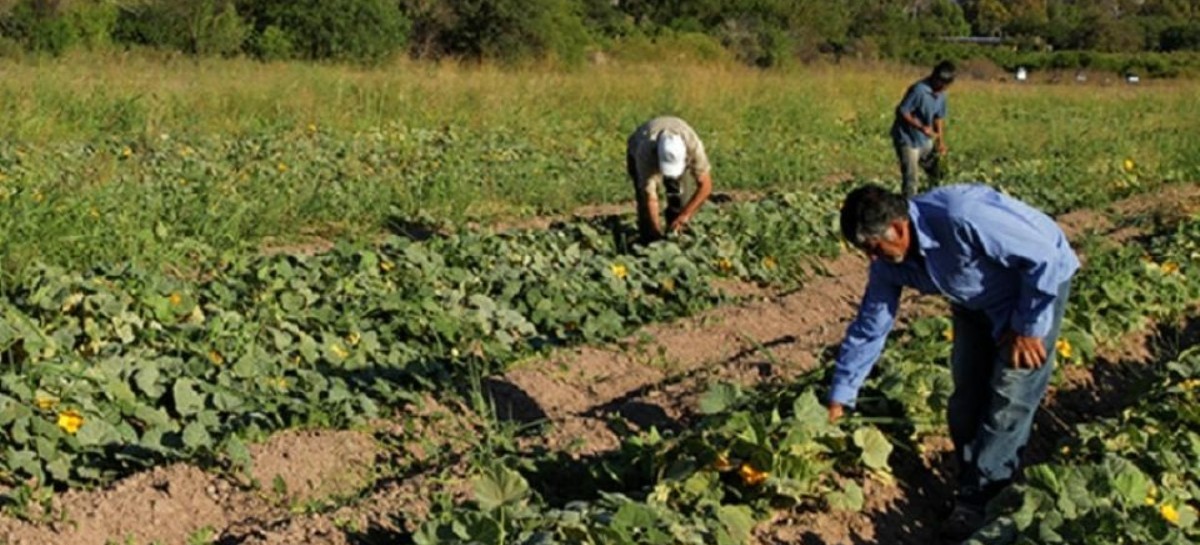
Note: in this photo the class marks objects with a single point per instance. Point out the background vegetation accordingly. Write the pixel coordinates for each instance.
(151, 150)
(129, 157)
(1119, 35)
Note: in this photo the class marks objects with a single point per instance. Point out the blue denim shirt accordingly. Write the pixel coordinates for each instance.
(925, 105)
(981, 249)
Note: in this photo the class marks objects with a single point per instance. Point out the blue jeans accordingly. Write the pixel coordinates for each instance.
(991, 410)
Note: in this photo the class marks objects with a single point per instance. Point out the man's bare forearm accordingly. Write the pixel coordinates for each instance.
(703, 190)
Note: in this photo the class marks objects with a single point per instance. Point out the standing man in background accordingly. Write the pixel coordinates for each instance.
(663, 150)
(919, 132)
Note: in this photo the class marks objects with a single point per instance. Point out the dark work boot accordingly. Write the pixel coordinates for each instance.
(963, 521)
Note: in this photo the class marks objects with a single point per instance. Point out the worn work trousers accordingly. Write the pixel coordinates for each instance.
(673, 188)
(911, 158)
(992, 408)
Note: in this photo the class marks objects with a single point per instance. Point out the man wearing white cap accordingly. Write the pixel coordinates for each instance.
(663, 149)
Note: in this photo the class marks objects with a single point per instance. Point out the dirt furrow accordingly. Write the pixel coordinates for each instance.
(651, 378)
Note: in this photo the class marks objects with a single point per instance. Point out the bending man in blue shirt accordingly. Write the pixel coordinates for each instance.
(1006, 269)
(919, 131)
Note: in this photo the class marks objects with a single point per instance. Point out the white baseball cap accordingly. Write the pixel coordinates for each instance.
(672, 154)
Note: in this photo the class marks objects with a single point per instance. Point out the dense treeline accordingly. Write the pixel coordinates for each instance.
(760, 32)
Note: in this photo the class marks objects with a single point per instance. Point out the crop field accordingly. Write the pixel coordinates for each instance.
(249, 303)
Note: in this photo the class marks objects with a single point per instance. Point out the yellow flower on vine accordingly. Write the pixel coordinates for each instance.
(176, 299)
(722, 462)
(339, 351)
(45, 403)
(70, 421)
(1064, 348)
(769, 263)
(216, 357)
(619, 270)
(1170, 267)
(353, 338)
(948, 334)
(751, 476)
(1169, 513)
(1129, 165)
(724, 264)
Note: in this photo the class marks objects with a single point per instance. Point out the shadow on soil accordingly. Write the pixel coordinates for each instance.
(924, 482)
(1104, 390)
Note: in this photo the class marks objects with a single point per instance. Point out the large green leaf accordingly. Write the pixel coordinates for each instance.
(147, 378)
(500, 486)
(737, 521)
(719, 397)
(1128, 481)
(188, 400)
(195, 436)
(811, 416)
(875, 447)
(94, 431)
(849, 498)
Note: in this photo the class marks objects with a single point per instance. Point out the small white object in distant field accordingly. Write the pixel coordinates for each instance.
(1022, 74)
(1132, 78)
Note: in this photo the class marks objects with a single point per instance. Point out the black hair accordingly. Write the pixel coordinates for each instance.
(867, 212)
(944, 72)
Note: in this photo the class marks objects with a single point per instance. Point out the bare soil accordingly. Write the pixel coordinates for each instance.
(328, 487)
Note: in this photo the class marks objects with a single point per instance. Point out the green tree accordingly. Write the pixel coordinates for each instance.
(93, 21)
(198, 27)
(1063, 18)
(988, 17)
(508, 30)
(1102, 29)
(1179, 37)
(885, 23)
(943, 18)
(1178, 10)
(37, 25)
(1027, 18)
(353, 30)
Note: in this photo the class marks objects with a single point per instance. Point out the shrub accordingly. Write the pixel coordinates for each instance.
(273, 44)
(507, 30)
(199, 27)
(351, 30)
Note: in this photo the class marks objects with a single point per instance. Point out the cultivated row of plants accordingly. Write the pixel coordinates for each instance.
(749, 454)
(153, 198)
(118, 367)
(1133, 478)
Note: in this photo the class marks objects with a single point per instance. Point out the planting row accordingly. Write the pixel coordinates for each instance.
(155, 198)
(112, 369)
(116, 368)
(750, 454)
(1127, 479)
